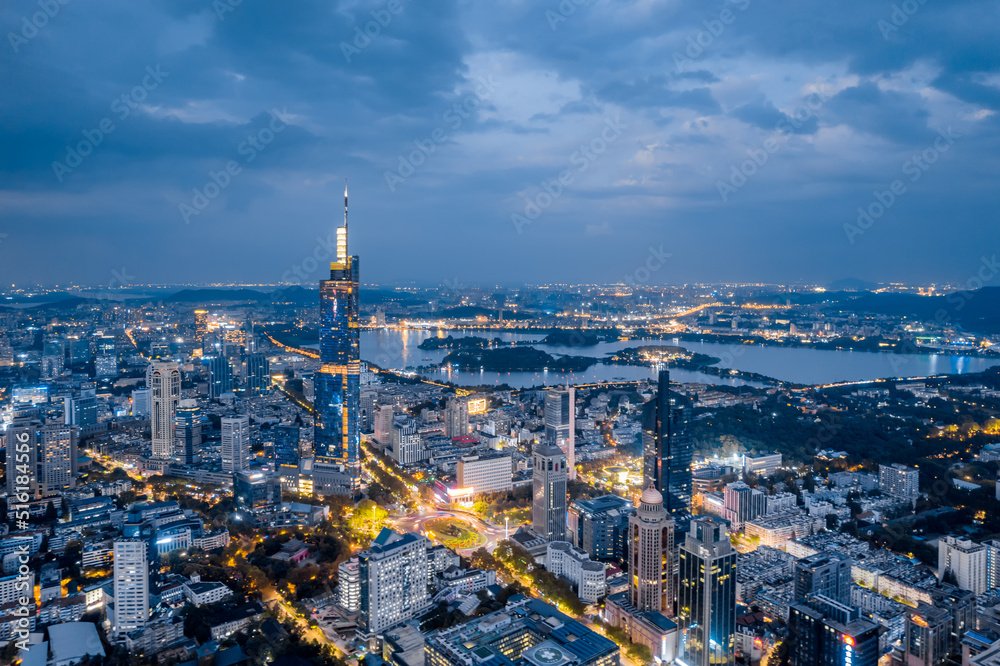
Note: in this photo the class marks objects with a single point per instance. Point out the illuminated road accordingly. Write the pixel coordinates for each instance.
(415, 523)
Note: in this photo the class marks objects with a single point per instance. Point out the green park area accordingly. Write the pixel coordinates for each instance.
(454, 533)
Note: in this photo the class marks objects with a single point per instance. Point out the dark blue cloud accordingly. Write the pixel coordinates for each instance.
(359, 108)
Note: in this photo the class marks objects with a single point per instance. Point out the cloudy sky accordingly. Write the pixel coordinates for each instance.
(192, 141)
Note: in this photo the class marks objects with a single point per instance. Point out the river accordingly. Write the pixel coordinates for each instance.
(399, 350)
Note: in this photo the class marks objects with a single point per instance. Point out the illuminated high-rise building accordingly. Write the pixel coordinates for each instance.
(187, 429)
(164, 382)
(667, 450)
(706, 604)
(560, 424)
(337, 438)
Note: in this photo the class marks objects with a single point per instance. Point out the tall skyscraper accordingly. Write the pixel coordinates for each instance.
(131, 572)
(706, 605)
(827, 574)
(286, 445)
(220, 375)
(667, 449)
(56, 458)
(823, 632)
(560, 424)
(82, 410)
(141, 402)
(337, 438)
(236, 444)
(200, 324)
(548, 504)
(187, 430)
(164, 382)
(258, 375)
(456, 415)
(394, 574)
(22, 458)
(743, 504)
(53, 358)
(966, 560)
(651, 555)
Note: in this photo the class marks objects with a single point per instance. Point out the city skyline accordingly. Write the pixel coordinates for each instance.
(711, 146)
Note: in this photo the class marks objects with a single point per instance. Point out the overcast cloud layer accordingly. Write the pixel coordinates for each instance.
(741, 136)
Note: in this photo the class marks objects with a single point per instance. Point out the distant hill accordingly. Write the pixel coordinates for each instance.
(977, 311)
(851, 284)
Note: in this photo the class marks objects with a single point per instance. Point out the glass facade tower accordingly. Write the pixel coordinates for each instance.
(338, 382)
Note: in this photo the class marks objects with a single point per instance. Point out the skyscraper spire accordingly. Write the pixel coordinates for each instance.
(342, 233)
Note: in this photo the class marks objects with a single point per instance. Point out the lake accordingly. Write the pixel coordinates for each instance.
(399, 350)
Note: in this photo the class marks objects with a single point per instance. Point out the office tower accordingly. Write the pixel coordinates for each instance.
(286, 445)
(367, 415)
(667, 449)
(548, 482)
(21, 443)
(824, 632)
(560, 424)
(406, 448)
(235, 443)
(187, 430)
(200, 324)
(966, 560)
(394, 575)
(258, 377)
(456, 415)
(485, 473)
(706, 604)
(256, 490)
(6, 352)
(743, 504)
(928, 639)
(599, 526)
(141, 403)
(131, 571)
(383, 424)
(164, 383)
(992, 561)
(56, 458)
(82, 410)
(338, 384)
(899, 481)
(651, 555)
(349, 585)
(220, 375)
(79, 351)
(827, 574)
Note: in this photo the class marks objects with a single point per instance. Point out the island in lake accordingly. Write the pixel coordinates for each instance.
(516, 359)
(468, 342)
